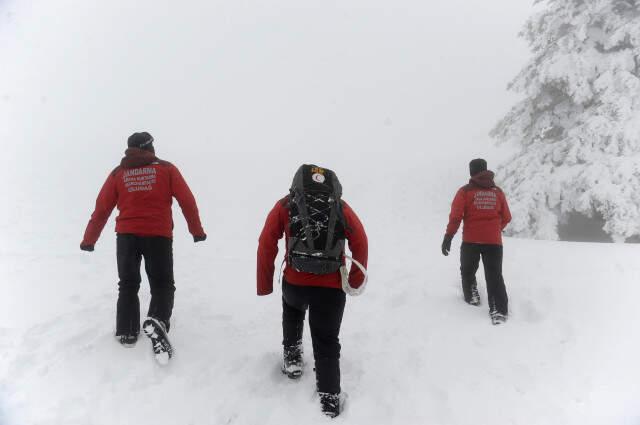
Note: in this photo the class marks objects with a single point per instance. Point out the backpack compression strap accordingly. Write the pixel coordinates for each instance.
(332, 222)
(301, 204)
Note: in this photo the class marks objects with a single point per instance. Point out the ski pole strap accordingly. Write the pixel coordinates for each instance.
(348, 289)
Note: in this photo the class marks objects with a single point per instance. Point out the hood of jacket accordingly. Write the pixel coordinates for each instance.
(135, 157)
(483, 179)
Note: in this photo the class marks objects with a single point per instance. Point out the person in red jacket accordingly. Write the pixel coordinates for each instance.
(322, 294)
(483, 208)
(142, 187)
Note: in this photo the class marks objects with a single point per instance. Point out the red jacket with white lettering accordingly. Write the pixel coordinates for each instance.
(483, 208)
(277, 224)
(143, 187)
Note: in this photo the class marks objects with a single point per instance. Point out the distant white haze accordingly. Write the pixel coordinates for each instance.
(396, 96)
(403, 77)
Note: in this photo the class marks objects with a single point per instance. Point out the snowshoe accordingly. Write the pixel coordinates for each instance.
(156, 331)
(332, 404)
(292, 364)
(498, 318)
(128, 341)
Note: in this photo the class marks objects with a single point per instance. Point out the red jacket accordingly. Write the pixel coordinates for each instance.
(483, 207)
(143, 187)
(277, 224)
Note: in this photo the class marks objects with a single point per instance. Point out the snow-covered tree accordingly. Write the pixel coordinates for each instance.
(578, 127)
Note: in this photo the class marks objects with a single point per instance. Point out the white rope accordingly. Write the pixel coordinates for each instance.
(281, 268)
(348, 289)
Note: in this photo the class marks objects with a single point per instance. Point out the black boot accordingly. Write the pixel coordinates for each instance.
(497, 318)
(331, 404)
(470, 291)
(128, 341)
(156, 330)
(474, 298)
(293, 364)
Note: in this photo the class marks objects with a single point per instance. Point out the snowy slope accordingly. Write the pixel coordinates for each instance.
(413, 352)
(238, 95)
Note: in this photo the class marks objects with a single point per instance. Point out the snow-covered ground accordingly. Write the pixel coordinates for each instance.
(238, 95)
(413, 352)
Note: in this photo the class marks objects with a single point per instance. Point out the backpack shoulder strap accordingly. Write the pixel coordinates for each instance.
(331, 229)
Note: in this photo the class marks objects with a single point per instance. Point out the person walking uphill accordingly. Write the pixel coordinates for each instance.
(142, 187)
(483, 208)
(316, 223)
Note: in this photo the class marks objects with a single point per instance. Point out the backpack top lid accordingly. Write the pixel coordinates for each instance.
(311, 178)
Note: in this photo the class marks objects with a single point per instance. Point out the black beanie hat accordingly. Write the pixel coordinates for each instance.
(477, 166)
(141, 141)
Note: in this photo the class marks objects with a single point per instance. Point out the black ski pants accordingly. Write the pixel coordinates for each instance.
(326, 307)
(470, 254)
(158, 263)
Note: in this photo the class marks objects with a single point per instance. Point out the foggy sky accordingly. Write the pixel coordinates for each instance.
(251, 76)
(226, 85)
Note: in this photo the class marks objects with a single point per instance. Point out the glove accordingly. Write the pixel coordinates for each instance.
(446, 245)
(86, 247)
(200, 238)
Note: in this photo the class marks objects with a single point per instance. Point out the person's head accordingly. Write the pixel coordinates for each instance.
(141, 140)
(476, 166)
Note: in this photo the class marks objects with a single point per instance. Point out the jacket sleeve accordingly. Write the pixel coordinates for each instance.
(268, 249)
(457, 213)
(505, 212)
(180, 190)
(106, 202)
(358, 245)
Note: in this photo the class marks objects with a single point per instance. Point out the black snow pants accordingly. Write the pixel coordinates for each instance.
(326, 307)
(470, 254)
(158, 263)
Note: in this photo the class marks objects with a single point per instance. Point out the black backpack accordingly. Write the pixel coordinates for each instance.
(316, 221)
